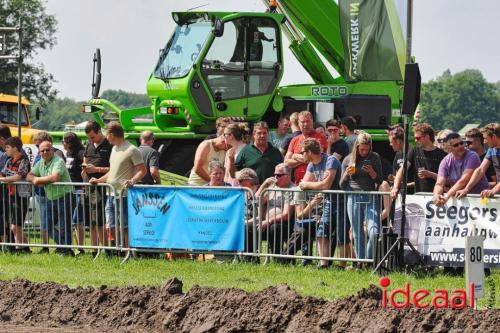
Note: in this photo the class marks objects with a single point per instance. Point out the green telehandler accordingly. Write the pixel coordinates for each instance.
(230, 64)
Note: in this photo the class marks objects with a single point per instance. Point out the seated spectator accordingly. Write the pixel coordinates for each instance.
(260, 155)
(277, 208)
(474, 141)
(248, 178)
(276, 137)
(293, 157)
(216, 171)
(51, 169)
(207, 151)
(234, 134)
(455, 171)
(323, 173)
(294, 126)
(362, 171)
(348, 128)
(336, 146)
(16, 203)
(441, 140)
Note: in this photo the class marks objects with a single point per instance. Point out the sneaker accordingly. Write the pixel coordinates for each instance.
(65, 252)
(23, 250)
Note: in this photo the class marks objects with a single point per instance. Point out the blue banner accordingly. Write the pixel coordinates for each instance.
(183, 218)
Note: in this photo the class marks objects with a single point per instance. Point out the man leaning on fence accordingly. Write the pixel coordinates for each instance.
(126, 168)
(51, 169)
(151, 159)
(491, 136)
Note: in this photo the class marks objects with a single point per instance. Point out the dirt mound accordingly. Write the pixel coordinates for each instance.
(49, 307)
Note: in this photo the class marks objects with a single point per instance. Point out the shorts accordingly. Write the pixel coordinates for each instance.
(95, 200)
(112, 213)
(81, 212)
(15, 210)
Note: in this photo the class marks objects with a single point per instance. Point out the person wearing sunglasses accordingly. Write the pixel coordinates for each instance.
(423, 161)
(278, 209)
(441, 139)
(455, 170)
(336, 145)
(491, 136)
(50, 169)
(474, 141)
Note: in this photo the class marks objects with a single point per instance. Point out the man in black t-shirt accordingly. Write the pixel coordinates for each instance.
(151, 159)
(424, 158)
(95, 165)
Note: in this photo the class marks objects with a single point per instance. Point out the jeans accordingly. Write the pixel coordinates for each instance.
(59, 216)
(42, 205)
(361, 207)
(112, 212)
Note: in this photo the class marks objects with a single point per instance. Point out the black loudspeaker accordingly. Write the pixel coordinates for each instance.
(370, 111)
(411, 92)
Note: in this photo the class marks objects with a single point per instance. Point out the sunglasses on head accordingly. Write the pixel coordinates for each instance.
(440, 140)
(458, 144)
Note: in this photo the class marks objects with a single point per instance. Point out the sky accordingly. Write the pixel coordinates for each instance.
(447, 34)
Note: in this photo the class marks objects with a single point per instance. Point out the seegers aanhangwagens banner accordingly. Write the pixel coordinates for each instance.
(439, 233)
(184, 218)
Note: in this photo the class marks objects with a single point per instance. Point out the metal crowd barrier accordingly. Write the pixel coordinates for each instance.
(67, 216)
(319, 225)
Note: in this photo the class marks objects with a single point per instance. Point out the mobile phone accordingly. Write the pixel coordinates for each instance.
(367, 162)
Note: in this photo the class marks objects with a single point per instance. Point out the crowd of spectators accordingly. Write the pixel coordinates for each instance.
(285, 169)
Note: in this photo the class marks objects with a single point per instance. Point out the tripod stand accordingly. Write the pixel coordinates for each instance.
(398, 247)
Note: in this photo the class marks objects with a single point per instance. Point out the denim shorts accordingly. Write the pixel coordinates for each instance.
(111, 212)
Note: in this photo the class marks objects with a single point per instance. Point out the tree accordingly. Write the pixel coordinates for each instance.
(39, 30)
(452, 101)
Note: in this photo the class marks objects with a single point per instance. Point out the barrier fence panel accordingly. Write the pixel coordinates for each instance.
(190, 220)
(320, 225)
(65, 216)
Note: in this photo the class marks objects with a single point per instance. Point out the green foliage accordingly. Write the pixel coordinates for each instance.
(452, 101)
(38, 29)
(60, 112)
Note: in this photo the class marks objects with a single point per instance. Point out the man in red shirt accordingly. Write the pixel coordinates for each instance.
(293, 157)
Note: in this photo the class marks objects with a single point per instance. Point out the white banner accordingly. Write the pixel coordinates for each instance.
(439, 233)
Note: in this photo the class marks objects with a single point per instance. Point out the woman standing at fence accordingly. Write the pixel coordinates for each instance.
(16, 204)
(74, 160)
(362, 171)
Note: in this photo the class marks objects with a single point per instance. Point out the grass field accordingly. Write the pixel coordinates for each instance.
(307, 281)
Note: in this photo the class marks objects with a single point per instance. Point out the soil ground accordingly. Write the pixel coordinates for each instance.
(53, 308)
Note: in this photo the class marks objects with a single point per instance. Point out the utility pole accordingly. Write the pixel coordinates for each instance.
(19, 58)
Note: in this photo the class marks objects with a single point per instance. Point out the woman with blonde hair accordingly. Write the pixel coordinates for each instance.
(234, 134)
(362, 171)
(441, 139)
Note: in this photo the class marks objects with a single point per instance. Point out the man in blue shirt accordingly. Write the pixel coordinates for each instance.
(323, 173)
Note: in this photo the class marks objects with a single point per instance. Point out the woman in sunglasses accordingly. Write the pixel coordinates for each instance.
(456, 169)
(441, 139)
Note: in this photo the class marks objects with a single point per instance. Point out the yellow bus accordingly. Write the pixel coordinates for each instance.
(8, 116)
